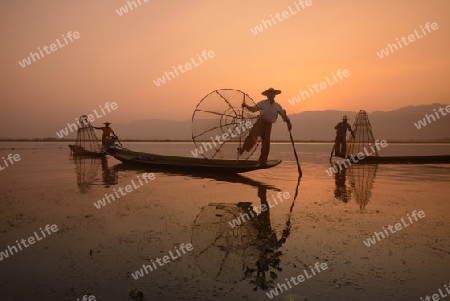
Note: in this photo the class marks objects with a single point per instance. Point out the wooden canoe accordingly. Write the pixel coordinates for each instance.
(79, 151)
(186, 163)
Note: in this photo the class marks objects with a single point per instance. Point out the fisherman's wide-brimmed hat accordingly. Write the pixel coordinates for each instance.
(106, 123)
(271, 91)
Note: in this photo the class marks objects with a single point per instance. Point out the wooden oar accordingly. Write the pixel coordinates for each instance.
(332, 150)
(242, 118)
(295, 152)
(117, 137)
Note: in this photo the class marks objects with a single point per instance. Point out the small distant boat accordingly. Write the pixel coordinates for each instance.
(364, 140)
(180, 163)
(442, 159)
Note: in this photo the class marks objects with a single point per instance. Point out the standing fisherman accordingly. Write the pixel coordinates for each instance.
(106, 133)
(341, 133)
(263, 125)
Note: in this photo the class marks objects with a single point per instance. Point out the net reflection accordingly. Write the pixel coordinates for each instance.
(362, 177)
(228, 252)
(87, 169)
(356, 180)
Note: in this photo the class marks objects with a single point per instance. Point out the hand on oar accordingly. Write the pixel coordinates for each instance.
(289, 125)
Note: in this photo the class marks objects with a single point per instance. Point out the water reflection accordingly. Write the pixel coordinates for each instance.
(341, 190)
(87, 169)
(236, 241)
(110, 175)
(358, 180)
(248, 251)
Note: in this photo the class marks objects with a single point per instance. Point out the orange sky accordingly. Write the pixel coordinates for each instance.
(117, 58)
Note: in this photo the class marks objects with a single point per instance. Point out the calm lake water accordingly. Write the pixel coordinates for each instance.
(97, 251)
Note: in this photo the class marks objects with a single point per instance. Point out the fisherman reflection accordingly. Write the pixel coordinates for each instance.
(236, 242)
(267, 245)
(87, 169)
(341, 191)
(110, 175)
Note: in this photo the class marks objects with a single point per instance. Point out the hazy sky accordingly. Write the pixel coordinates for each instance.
(118, 58)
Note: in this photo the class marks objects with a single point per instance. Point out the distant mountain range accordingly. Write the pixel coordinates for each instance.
(397, 125)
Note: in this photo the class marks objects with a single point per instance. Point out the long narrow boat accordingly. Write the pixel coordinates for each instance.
(442, 159)
(185, 163)
(79, 151)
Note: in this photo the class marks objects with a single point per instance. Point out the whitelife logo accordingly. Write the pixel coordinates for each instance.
(266, 24)
(281, 287)
(225, 136)
(340, 165)
(187, 66)
(323, 85)
(34, 55)
(429, 118)
(11, 158)
(245, 217)
(124, 9)
(411, 38)
(436, 297)
(110, 197)
(79, 123)
(398, 226)
(11, 250)
(166, 259)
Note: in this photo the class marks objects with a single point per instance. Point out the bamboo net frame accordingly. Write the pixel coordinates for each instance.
(364, 137)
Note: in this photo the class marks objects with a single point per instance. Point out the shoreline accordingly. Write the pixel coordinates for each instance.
(176, 140)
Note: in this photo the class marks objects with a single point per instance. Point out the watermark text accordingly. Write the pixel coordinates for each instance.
(340, 165)
(319, 87)
(237, 131)
(11, 250)
(398, 226)
(423, 122)
(411, 38)
(130, 4)
(169, 75)
(165, 259)
(114, 196)
(11, 159)
(282, 287)
(49, 49)
(91, 118)
(299, 6)
(243, 217)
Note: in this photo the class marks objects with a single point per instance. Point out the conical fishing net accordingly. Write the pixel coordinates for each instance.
(364, 138)
(220, 125)
(87, 141)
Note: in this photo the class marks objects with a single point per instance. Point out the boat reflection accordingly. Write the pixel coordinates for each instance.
(356, 180)
(248, 251)
(87, 169)
(236, 241)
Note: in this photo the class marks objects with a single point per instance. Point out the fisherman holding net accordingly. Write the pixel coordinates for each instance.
(269, 110)
(341, 133)
(106, 134)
